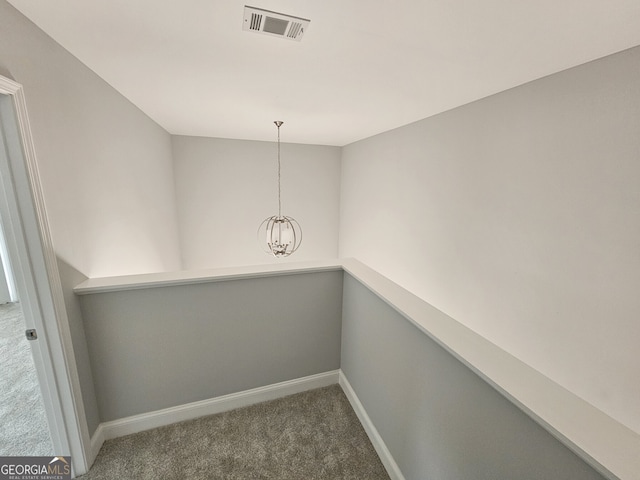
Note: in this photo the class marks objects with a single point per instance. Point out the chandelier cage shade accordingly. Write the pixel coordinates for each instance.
(279, 235)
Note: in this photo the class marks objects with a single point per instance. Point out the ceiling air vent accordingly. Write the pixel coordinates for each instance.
(274, 24)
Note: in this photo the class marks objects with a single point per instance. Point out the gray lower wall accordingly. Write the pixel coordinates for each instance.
(438, 418)
(162, 347)
(167, 346)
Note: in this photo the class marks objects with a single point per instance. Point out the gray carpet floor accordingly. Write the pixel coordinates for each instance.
(311, 435)
(23, 424)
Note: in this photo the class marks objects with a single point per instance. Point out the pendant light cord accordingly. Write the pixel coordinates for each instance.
(278, 123)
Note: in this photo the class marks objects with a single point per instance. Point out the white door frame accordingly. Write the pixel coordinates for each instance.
(38, 281)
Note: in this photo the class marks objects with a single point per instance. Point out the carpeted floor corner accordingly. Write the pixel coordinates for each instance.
(311, 435)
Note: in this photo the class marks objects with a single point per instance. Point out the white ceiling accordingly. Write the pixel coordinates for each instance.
(363, 67)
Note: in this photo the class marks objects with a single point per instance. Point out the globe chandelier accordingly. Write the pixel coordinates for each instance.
(279, 235)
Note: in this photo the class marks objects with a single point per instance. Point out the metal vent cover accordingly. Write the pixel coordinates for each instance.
(275, 24)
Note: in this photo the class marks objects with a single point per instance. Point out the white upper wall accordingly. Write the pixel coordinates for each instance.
(106, 168)
(518, 215)
(226, 188)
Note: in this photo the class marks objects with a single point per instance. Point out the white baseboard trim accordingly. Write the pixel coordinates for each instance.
(167, 416)
(97, 439)
(383, 452)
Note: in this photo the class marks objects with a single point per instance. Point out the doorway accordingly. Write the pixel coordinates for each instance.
(24, 430)
(35, 271)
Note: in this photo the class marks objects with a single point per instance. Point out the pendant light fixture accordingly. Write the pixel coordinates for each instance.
(279, 235)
